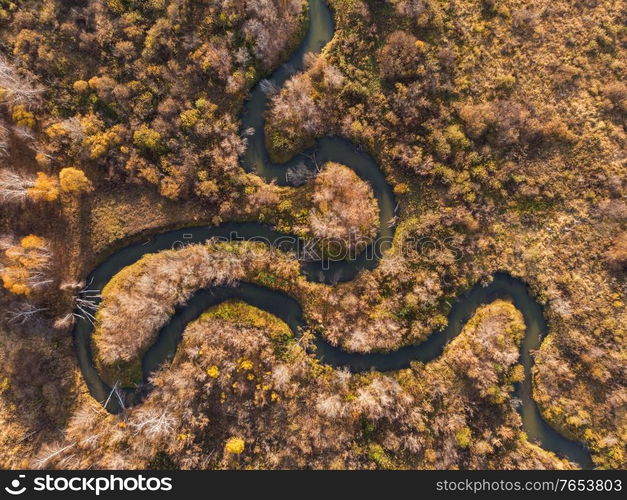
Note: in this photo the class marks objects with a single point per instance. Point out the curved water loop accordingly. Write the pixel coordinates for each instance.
(256, 158)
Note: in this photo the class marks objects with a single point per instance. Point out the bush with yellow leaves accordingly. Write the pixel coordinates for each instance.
(22, 116)
(74, 180)
(234, 445)
(45, 188)
(26, 265)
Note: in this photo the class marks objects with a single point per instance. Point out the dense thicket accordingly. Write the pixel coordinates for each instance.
(241, 393)
(144, 91)
(501, 125)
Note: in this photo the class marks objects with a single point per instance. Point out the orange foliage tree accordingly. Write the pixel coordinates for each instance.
(44, 188)
(26, 265)
(74, 180)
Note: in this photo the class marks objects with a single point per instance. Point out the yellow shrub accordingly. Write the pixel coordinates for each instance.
(21, 116)
(74, 180)
(30, 255)
(234, 445)
(56, 130)
(101, 143)
(518, 373)
(246, 364)
(146, 138)
(463, 437)
(46, 188)
(33, 241)
(190, 117)
(80, 86)
(401, 189)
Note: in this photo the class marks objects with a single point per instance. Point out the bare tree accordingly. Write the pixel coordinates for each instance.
(115, 390)
(74, 129)
(14, 187)
(298, 174)
(17, 90)
(153, 422)
(86, 303)
(49, 452)
(24, 312)
(39, 278)
(25, 134)
(268, 88)
(64, 322)
(41, 253)
(4, 140)
(72, 285)
(27, 264)
(6, 241)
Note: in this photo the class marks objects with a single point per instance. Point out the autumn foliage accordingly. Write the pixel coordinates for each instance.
(345, 214)
(74, 180)
(500, 125)
(151, 90)
(15, 187)
(45, 188)
(240, 386)
(26, 265)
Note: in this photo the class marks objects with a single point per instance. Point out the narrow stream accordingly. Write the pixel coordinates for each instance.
(319, 33)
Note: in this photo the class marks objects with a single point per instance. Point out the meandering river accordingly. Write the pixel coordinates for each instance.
(319, 33)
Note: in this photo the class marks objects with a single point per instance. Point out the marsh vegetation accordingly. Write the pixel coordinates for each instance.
(500, 126)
